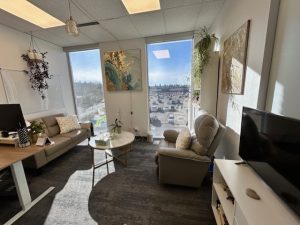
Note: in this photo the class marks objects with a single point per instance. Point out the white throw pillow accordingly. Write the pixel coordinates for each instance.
(184, 139)
(67, 123)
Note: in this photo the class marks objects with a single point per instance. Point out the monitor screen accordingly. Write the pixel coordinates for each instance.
(11, 117)
(270, 144)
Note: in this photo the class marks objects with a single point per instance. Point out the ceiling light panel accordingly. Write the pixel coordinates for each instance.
(140, 6)
(29, 12)
(162, 54)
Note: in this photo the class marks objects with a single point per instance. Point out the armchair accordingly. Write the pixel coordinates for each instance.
(188, 167)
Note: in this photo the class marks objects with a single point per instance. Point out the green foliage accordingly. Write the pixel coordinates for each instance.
(201, 53)
(37, 127)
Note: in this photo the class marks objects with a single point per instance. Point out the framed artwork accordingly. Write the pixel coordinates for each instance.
(123, 70)
(234, 61)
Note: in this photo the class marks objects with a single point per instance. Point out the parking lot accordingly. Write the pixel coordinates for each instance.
(168, 109)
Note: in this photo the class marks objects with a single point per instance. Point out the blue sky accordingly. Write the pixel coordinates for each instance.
(174, 70)
(86, 65)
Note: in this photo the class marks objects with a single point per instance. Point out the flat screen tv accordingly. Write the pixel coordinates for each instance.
(11, 117)
(270, 144)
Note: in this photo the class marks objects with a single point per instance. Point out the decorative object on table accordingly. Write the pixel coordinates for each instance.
(101, 142)
(201, 54)
(36, 128)
(117, 126)
(38, 68)
(123, 70)
(71, 25)
(234, 61)
(23, 137)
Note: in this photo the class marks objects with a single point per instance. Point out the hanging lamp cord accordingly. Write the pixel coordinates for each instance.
(70, 8)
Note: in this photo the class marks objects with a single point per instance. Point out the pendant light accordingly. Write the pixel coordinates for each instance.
(71, 25)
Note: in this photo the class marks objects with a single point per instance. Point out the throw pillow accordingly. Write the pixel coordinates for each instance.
(184, 139)
(206, 127)
(67, 123)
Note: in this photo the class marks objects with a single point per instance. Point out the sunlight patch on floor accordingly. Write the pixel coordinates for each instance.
(70, 205)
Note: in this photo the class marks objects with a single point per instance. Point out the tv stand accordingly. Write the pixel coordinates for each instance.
(229, 198)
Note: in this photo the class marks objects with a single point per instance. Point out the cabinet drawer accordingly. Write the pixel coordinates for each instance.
(239, 218)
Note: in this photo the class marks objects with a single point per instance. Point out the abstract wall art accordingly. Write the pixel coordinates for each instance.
(123, 70)
(234, 61)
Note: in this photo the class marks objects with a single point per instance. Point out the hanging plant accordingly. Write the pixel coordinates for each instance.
(38, 69)
(202, 52)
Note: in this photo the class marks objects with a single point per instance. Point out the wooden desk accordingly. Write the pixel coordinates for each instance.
(12, 157)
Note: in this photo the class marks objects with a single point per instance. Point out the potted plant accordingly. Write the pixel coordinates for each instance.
(202, 50)
(35, 130)
(38, 73)
(38, 68)
(117, 126)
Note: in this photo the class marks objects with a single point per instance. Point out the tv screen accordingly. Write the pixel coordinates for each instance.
(270, 144)
(11, 117)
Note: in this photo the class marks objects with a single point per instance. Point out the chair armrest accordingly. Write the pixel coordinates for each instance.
(171, 135)
(182, 154)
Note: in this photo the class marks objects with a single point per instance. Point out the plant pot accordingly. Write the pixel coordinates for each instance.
(34, 137)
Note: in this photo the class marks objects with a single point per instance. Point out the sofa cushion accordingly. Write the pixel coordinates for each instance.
(77, 135)
(184, 139)
(206, 127)
(60, 142)
(163, 143)
(182, 154)
(171, 135)
(52, 127)
(68, 123)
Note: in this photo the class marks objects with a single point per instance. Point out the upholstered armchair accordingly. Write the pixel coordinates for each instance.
(189, 166)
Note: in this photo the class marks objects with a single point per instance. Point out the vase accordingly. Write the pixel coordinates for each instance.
(119, 130)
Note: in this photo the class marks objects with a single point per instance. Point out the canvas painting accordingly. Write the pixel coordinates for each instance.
(123, 70)
(234, 61)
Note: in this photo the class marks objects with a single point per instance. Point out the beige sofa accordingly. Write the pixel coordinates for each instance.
(186, 167)
(62, 142)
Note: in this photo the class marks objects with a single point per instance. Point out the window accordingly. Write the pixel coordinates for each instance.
(88, 87)
(169, 69)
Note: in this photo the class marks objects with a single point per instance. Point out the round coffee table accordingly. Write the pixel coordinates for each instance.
(122, 142)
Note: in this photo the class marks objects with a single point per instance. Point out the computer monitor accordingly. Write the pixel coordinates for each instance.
(11, 117)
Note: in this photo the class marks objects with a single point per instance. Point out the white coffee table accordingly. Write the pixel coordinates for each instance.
(121, 141)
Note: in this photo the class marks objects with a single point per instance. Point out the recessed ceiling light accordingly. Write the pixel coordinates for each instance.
(29, 12)
(139, 6)
(162, 54)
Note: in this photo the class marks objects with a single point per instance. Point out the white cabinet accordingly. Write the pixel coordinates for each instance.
(243, 210)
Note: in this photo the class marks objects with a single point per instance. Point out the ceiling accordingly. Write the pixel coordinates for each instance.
(114, 21)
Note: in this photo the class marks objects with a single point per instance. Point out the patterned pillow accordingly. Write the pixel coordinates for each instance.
(67, 123)
(184, 139)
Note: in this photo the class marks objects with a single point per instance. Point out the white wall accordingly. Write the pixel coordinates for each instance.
(234, 14)
(284, 85)
(14, 43)
(125, 102)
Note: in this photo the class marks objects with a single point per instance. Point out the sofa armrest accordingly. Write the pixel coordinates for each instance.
(182, 154)
(89, 126)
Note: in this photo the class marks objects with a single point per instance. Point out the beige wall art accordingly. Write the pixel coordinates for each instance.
(234, 61)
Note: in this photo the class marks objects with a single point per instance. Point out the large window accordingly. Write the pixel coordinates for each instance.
(88, 87)
(169, 69)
